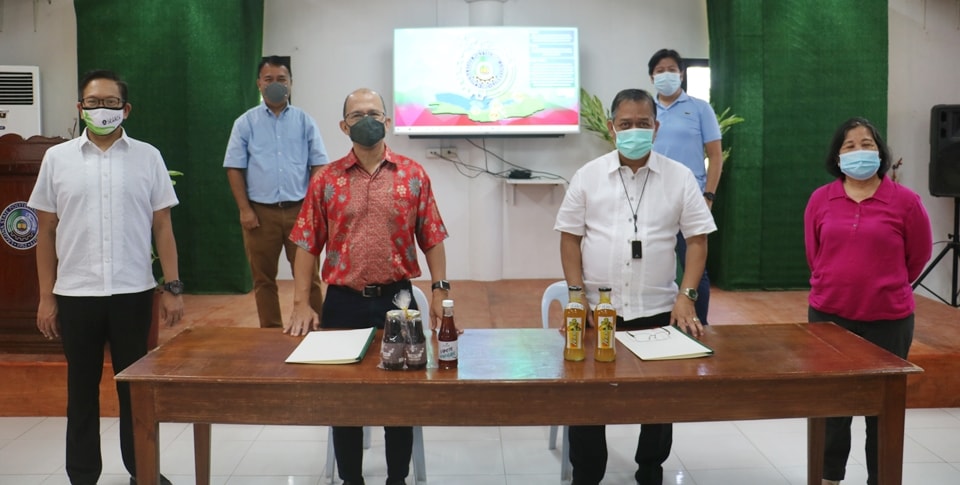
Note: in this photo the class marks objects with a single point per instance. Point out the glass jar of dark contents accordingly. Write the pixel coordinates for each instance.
(415, 351)
(394, 343)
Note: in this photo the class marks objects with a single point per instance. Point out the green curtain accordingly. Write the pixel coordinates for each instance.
(191, 70)
(795, 70)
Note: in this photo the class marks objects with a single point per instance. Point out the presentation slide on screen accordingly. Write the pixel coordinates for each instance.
(486, 80)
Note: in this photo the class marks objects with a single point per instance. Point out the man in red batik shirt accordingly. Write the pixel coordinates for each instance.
(370, 209)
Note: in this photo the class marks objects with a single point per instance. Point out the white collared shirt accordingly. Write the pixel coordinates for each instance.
(598, 208)
(105, 203)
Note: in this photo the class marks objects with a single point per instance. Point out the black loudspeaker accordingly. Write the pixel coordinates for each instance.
(945, 150)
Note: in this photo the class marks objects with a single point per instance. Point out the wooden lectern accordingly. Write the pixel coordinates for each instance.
(19, 290)
(19, 294)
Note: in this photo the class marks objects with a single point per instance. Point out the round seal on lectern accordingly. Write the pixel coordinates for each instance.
(18, 226)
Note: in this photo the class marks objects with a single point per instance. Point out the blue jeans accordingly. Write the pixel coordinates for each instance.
(703, 289)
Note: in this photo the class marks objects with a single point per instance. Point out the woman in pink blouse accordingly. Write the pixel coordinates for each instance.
(867, 238)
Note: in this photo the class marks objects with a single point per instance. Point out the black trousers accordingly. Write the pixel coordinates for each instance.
(344, 308)
(86, 324)
(588, 444)
(895, 336)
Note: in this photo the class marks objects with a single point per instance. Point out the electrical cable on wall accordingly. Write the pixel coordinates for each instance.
(517, 172)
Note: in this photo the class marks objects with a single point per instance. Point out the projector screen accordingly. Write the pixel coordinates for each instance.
(486, 81)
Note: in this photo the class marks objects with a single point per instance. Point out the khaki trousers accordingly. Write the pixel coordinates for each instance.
(263, 245)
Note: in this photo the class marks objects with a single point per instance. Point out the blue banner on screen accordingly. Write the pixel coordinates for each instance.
(471, 81)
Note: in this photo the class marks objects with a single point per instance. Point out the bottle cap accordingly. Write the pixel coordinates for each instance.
(574, 288)
(605, 288)
(447, 303)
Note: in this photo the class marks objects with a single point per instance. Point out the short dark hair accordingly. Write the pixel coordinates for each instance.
(661, 55)
(637, 95)
(833, 153)
(101, 74)
(274, 61)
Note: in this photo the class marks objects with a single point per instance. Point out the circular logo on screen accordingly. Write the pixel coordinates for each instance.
(485, 73)
(485, 70)
(18, 226)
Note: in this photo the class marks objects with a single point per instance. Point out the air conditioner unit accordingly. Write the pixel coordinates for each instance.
(20, 100)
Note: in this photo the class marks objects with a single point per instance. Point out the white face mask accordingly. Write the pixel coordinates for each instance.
(102, 121)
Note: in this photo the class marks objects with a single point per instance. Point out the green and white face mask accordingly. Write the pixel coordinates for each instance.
(103, 121)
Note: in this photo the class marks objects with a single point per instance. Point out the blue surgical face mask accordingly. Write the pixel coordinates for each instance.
(860, 164)
(667, 83)
(635, 143)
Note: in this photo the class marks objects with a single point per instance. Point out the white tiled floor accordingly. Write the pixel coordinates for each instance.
(721, 453)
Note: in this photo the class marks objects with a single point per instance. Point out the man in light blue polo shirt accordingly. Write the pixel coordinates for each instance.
(688, 128)
(273, 151)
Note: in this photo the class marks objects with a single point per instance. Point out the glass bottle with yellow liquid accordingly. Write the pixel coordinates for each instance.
(605, 316)
(575, 324)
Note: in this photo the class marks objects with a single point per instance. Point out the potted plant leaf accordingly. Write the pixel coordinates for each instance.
(594, 116)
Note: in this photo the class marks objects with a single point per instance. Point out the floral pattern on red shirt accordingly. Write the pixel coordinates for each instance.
(370, 224)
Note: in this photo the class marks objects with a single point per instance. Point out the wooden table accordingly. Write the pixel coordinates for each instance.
(517, 377)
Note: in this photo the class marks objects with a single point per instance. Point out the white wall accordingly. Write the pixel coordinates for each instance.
(336, 48)
(339, 46)
(924, 71)
(44, 34)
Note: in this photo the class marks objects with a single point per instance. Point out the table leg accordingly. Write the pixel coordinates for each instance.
(890, 431)
(816, 440)
(201, 452)
(146, 431)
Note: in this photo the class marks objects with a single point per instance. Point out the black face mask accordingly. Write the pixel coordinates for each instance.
(368, 131)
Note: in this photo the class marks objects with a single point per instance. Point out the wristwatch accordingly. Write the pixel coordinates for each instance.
(175, 287)
(440, 285)
(690, 293)
(709, 196)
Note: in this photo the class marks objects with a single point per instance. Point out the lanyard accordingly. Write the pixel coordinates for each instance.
(625, 191)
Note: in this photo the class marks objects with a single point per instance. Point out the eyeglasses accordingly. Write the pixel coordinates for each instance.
(92, 103)
(650, 335)
(358, 115)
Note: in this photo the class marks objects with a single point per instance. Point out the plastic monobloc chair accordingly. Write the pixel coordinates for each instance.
(419, 463)
(558, 292)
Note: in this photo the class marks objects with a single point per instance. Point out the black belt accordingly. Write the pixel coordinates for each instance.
(376, 291)
(280, 205)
